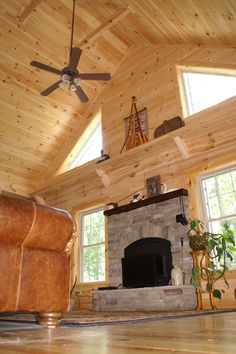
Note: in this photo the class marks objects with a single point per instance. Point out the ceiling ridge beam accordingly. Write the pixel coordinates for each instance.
(118, 15)
(27, 11)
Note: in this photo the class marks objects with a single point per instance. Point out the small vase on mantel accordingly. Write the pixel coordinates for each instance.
(177, 276)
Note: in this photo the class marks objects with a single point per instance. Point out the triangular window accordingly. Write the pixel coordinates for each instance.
(90, 149)
(205, 89)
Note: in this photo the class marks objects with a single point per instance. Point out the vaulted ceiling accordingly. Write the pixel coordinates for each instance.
(34, 128)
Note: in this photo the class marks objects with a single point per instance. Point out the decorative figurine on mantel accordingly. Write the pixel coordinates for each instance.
(153, 186)
(136, 127)
(137, 197)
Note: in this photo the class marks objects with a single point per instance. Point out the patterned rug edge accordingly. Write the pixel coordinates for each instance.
(116, 321)
(140, 320)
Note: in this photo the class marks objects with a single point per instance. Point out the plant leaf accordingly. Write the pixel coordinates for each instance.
(231, 239)
(212, 244)
(226, 226)
(229, 255)
(231, 248)
(217, 293)
(194, 280)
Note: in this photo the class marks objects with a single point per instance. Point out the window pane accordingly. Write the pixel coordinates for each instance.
(228, 203)
(86, 230)
(225, 183)
(95, 217)
(93, 246)
(94, 235)
(94, 263)
(215, 227)
(204, 90)
(91, 149)
(214, 208)
(233, 174)
(210, 187)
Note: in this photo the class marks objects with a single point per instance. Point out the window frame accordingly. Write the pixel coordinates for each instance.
(208, 220)
(82, 213)
(199, 70)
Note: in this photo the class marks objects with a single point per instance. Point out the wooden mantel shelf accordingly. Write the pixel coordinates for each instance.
(157, 199)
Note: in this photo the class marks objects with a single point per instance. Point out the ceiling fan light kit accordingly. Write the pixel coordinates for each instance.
(70, 74)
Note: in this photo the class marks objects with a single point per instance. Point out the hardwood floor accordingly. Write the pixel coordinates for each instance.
(205, 334)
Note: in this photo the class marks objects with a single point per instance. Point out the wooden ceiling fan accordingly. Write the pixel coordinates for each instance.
(71, 74)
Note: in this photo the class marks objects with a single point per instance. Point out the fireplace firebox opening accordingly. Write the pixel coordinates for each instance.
(147, 262)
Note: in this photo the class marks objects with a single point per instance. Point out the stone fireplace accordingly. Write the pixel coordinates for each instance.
(136, 223)
(157, 219)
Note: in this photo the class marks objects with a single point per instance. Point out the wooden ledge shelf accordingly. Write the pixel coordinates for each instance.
(157, 199)
(206, 134)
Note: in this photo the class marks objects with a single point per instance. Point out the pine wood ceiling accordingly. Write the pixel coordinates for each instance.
(34, 128)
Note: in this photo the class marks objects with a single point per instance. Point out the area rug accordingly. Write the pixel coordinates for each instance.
(93, 318)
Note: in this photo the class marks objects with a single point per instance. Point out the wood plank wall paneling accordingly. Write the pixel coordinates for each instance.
(127, 172)
(150, 74)
(16, 184)
(29, 32)
(160, 86)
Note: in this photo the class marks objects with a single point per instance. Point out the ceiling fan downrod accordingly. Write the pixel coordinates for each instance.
(72, 28)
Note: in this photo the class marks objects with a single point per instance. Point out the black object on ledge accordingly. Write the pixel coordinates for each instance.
(156, 199)
(103, 157)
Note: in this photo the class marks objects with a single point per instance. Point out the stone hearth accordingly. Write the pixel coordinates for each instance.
(158, 298)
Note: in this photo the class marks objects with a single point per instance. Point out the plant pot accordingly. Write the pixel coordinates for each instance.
(198, 242)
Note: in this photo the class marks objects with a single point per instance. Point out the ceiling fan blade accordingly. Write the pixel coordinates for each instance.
(82, 95)
(91, 76)
(45, 67)
(74, 57)
(51, 88)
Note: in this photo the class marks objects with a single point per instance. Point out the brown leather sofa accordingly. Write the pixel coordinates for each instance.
(34, 262)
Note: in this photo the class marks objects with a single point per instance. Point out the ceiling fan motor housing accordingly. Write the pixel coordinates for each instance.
(69, 74)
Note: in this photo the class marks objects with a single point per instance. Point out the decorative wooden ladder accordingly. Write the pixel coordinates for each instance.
(135, 136)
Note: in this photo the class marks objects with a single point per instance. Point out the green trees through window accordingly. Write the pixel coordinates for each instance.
(93, 246)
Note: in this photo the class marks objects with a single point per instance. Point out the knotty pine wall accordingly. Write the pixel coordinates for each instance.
(150, 74)
(21, 185)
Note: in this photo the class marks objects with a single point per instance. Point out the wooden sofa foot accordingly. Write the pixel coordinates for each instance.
(49, 319)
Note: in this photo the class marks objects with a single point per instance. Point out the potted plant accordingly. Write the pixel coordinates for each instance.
(215, 251)
(198, 238)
